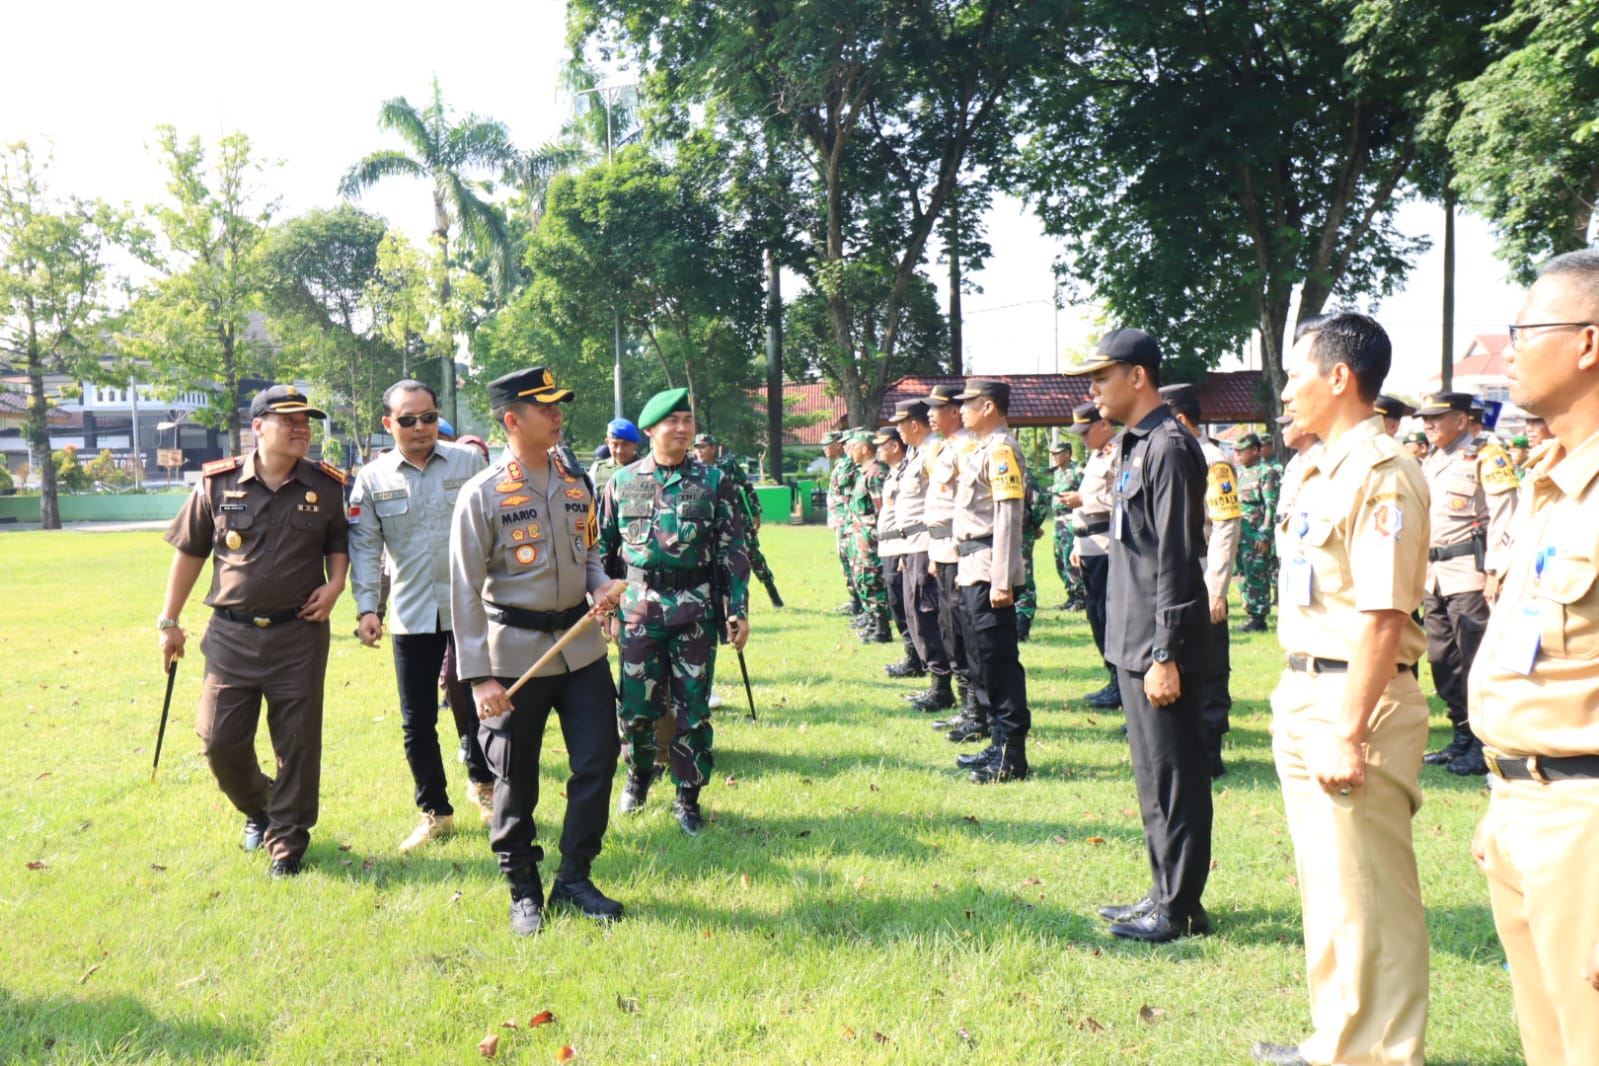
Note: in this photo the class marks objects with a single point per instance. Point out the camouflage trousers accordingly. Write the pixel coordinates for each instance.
(1257, 571)
(843, 560)
(758, 565)
(866, 569)
(1070, 576)
(669, 667)
(1027, 595)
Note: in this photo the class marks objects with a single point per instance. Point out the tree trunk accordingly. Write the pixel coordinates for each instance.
(39, 446)
(230, 388)
(1446, 355)
(954, 252)
(774, 367)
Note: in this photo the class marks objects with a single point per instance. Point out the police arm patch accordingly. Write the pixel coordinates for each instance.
(1221, 493)
(1497, 473)
(1005, 474)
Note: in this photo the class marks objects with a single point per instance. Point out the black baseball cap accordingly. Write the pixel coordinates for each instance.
(989, 387)
(916, 409)
(1083, 416)
(1126, 345)
(942, 394)
(533, 385)
(1392, 407)
(1441, 403)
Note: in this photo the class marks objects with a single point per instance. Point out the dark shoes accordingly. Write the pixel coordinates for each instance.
(1256, 624)
(1470, 764)
(1458, 745)
(255, 827)
(1157, 928)
(527, 901)
(771, 593)
(686, 808)
(1113, 912)
(1217, 767)
(635, 789)
(998, 772)
(1278, 1054)
(282, 868)
(910, 666)
(967, 729)
(936, 697)
(977, 759)
(578, 891)
(1024, 629)
(1105, 699)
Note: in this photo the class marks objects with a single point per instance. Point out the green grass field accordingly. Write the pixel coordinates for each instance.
(854, 900)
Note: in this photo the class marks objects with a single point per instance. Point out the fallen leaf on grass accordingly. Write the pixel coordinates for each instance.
(85, 978)
(455, 897)
(966, 1037)
(196, 979)
(1215, 864)
(38, 865)
(344, 847)
(566, 1054)
(880, 1038)
(44, 775)
(543, 1017)
(731, 781)
(1150, 1015)
(509, 1023)
(1033, 881)
(489, 1046)
(875, 788)
(860, 882)
(971, 819)
(1058, 839)
(744, 879)
(1090, 1025)
(158, 868)
(1096, 840)
(1128, 812)
(849, 1034)
(628, 1005)
(706, 933)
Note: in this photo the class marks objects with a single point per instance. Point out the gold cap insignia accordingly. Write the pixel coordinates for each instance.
(233, 540)
(310, 497)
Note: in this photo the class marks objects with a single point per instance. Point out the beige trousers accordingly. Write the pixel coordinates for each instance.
(1364, 926)
(1543, 878)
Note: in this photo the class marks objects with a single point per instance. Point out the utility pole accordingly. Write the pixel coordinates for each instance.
(611, 94)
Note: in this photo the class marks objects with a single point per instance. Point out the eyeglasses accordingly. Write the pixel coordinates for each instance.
(427, 418)
(1516, 332)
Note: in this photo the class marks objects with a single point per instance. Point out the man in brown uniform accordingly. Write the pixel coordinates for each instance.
(1348, 720)
(988, 542)
(1473, 496)
(273, 523)
(1534, 690)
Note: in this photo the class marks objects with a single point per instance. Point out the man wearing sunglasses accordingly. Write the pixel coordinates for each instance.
(400, 510)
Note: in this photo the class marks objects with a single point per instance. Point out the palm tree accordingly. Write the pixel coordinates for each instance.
(445, 152)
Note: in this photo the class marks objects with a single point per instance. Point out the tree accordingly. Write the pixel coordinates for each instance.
(320, 269)
(200, 323)
(54, 294)
(446, 152)
(1205, 160)
(1522, 157)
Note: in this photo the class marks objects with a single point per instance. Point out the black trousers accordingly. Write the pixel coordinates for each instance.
(418, 658)
(585, 703)
(896, 592)
(994, 663)
(921, 612)
(1454, 627)
(1096, 583)
(1172, 773)
(949, 627)
(1214, 676)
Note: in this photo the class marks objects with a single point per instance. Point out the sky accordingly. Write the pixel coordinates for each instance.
(91, 81)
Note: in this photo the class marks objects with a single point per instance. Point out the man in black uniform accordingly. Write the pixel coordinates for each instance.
(1155, 632)
(273, 523)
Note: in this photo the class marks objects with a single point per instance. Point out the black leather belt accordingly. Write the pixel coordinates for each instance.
(1542, 768)
(942, 531)
(1089, 529)
(1451, 551)
(974, 545)
(260, 621)
(914, 530)
(670, 580)
(1309, 664)
(544, 621)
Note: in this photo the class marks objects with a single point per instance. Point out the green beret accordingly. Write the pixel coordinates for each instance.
(1520, 442)
(662, 404)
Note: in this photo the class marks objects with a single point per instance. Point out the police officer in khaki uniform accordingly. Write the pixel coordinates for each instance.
(1091, 506)
(1473, 496)
(1348, 719)
(522, 571)
(1223, 528)
(273, 524)
(988, 543)
(892, 548)
(944, 458)
(1534, 690)
(920, 585)
(1393, 411)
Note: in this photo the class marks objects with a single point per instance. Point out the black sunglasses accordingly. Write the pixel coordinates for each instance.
(427, 418)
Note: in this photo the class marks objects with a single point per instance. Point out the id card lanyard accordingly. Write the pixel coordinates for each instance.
(1519, 644)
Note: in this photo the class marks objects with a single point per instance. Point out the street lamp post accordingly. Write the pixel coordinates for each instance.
(611, 94)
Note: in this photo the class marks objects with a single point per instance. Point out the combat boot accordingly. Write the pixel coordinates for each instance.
(973, 728)
(687, 809)
(1107, 698)
(1024, 628)
(1009, 765)
(968, 708)
(853, 607)
(1470, 764)
(527, 900)
(1458, 746)
(910, 666)
(978, 758)
(635, 789)
(574, 889)
(771, 592)
(1256, 624)
(937, 697)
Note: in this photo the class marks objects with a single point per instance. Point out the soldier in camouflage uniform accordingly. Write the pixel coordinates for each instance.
(1067, 477)
(678, 527)
(1258, 486)
(865, 497)
(1035, 516)
(709, 450)
(838, 481)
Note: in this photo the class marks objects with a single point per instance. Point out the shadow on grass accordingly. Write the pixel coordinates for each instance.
(115, 1028)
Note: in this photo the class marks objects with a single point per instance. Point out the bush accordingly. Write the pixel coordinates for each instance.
(70, 474)
(104, 471)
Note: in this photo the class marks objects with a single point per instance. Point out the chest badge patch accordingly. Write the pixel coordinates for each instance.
(233, 540)
(508, 486)
(575, 494)
(526, 554)
(310, 497)
(515, 501)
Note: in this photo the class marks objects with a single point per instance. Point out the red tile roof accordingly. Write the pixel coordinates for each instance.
(802, 398)
(14, 411)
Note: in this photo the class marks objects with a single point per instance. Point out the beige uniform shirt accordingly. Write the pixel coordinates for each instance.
(1473, 484)
(910, 500)
(1352, 538)
(1098, 500)
(522, 538)
(1543, 698)
(1223, 515)
(889, 544)
(943, 474)
(990, 497)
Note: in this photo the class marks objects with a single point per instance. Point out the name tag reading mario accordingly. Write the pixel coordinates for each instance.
(1005, 474)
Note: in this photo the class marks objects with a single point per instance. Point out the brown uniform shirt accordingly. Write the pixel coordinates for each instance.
(268, 548)
(988, 507)
(1544, 699)
(890, 545)
(910, 501)
(1473, 484)
(1353, 539)
(943, 474)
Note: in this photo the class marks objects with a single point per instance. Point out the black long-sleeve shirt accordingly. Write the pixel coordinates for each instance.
(1156, 596)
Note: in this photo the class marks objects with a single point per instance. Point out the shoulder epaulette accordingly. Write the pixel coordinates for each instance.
(333, 472)
(221, 466)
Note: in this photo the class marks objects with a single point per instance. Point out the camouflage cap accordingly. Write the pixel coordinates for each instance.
(1248, 440)
(706, 439)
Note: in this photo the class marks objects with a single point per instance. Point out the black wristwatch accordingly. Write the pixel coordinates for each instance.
(1161, 655)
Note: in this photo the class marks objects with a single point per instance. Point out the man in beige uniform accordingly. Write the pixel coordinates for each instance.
(273, 524)
(1091, 505)
(988, 541)
(1534, 690)
(943, 473)
(891, 548)
(1348, 719)
(1473, 496)
(919, 584)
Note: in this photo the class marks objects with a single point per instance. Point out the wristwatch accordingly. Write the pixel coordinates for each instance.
(166, 623)
(1161, 655)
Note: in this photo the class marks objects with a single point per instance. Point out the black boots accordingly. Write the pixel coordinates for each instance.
(1458, 745)
(635, 789)
(573, 888)
(687, 809)
(527, 900)
(1024, 628)
(771, 592)
(1008, 764)
(1470, 763)
(936, 697)
(911, 665)
(1256, 624)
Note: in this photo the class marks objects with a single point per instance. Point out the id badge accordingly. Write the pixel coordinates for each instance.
(1116, 521)
(1297, 580)
(1520, 640)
